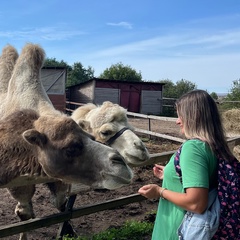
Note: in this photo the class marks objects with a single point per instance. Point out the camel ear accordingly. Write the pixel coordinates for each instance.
(34, 137)
(85, 125)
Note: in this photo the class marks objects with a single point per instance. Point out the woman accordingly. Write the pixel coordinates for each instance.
(199, 121)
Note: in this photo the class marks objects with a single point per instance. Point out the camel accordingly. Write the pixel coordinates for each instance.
(50, 140)
(56, 147)
(108, 123)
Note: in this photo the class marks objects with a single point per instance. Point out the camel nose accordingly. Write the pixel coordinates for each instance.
(118, 159)
(139, 145)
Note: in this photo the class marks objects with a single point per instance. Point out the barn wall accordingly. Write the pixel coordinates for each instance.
(106, 94)
(58, 101)
(134, 96)
(140, 97)
(151, 102)
(83, 94)
(53, 81)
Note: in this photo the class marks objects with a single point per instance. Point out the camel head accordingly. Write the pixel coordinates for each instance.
(63, 150)
(108, 123)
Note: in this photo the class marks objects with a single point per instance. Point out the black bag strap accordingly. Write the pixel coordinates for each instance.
(177, 163)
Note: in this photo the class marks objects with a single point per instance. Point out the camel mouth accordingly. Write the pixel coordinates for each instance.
(121, 179)
(111, 181)
(134, 161)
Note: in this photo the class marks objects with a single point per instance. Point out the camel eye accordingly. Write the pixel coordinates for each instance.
(106, 133)
(74, 149)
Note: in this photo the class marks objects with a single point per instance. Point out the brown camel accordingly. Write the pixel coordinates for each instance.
(55, 145)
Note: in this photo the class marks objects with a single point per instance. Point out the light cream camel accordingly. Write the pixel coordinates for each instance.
(108, 123)
(58, 147)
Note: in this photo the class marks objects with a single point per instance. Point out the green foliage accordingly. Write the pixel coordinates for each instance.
(184, 86)
(234, 94)
(168, 89)
(79, 74)
(130, 230)
(169, 111)
(52, 62)
(214, 95)
(120, 72)
(171, 90)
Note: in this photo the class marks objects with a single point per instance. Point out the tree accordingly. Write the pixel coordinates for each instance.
(168, 88)
(183, 86)
(214, 95)
(234, 94)
(52, 62)
(171, 90)
(120, 72)
(79, 74)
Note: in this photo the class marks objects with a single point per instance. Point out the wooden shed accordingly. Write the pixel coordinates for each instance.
(54, 82)
(139, 97)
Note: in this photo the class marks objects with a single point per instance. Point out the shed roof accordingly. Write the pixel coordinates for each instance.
(117, 81)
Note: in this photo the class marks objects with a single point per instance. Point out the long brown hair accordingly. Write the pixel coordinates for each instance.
(201, 119)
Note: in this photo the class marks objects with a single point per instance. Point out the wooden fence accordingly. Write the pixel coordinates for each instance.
(32, 224)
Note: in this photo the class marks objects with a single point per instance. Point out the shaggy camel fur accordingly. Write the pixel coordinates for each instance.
(7, 62)
(108, 123)
(25, 90)
(55, 146)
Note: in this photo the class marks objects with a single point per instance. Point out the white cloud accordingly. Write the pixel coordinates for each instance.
(45, 33)
(121, 24)
(181, 44)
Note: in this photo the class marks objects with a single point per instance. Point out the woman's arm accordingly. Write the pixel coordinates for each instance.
(194, 200)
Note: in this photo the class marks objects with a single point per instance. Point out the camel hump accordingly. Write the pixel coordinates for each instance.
(33, 54)
(9, 54)
(7, 62)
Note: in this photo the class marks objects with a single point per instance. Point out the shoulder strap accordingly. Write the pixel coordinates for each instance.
(177, 163)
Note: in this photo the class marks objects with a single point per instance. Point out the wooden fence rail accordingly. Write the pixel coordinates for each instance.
(47, 221)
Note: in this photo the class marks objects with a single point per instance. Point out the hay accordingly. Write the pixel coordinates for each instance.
(231, 121)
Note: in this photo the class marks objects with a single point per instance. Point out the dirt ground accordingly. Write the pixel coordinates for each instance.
(100, 221)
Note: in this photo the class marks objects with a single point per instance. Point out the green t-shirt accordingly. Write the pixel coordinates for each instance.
(198, 165)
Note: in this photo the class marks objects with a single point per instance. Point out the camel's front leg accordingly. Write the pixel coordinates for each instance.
(59, 192)
(24, 208)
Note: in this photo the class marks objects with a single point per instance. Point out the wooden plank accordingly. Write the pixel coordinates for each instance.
(36, 223)
(152, 117)
(160, 158)
(159, 135)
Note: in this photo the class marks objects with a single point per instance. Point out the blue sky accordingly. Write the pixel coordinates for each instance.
(197, 40)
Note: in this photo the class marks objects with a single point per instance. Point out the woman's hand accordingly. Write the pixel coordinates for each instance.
(150, 191)
(158, 171)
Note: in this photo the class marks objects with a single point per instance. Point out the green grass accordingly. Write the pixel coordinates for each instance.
(130, 230)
